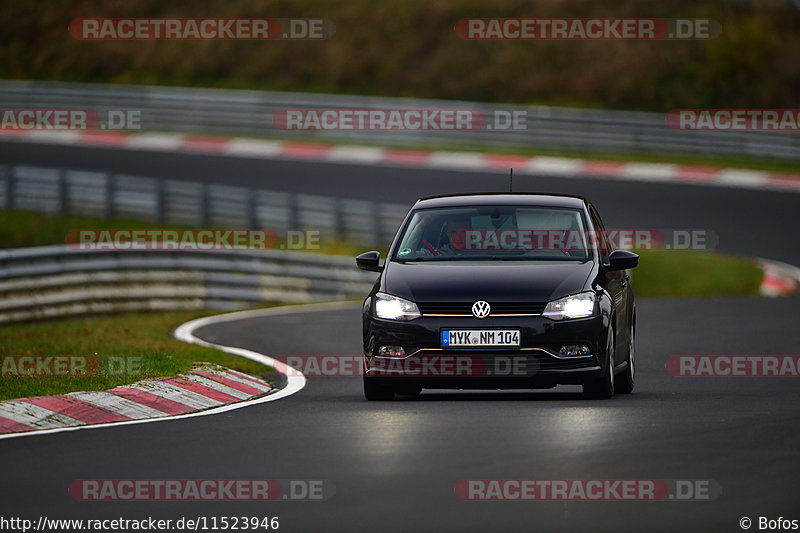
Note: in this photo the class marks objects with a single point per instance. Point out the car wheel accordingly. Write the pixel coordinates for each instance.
(375, 391)
(625, 382)
(602, 388)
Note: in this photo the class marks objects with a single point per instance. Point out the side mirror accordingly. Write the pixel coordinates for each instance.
(369, 261)
(622, 260)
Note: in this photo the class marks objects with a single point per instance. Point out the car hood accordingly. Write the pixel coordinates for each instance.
(499, 281)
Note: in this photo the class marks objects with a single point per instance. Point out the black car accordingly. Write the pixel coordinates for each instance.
(499, 291)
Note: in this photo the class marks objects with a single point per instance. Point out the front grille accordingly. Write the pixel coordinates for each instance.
(461, 308)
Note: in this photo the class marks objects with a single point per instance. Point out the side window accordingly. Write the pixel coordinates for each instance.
(602, 238)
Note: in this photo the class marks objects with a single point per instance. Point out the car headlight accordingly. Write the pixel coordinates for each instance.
(394, 308)
(576, 306)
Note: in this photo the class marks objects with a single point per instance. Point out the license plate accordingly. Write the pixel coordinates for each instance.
(480, 337)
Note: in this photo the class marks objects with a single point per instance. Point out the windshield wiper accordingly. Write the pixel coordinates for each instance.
(423, 258)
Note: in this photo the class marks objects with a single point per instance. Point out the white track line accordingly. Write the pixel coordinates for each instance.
(155, 141)
(185, 332)
(561, 166)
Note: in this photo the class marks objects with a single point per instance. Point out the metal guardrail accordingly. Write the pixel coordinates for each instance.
(237, 112)
(55, 281)
(166, 201)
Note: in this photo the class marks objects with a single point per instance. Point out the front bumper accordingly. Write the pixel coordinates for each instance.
(535, 364)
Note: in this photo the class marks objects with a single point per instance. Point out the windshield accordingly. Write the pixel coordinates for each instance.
(495, 233)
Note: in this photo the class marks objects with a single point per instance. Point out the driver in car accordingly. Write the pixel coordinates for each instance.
(451, 240)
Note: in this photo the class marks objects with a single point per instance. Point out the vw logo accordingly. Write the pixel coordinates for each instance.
(481, 309)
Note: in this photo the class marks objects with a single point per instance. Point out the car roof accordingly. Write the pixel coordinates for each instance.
(515, 198)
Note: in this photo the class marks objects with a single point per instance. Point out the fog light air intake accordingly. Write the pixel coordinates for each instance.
(391, 351)
(573, 350)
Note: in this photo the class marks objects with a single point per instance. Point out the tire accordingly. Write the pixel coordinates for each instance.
(625, 381)
(375, 391)
(602, 388)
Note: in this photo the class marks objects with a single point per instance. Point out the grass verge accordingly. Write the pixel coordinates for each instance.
(28, 228)
(20, 228)
(128, 347)
(687, 273)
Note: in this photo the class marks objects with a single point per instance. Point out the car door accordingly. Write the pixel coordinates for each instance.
(615, 282)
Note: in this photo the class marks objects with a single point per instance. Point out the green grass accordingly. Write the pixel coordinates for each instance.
(27, 228)
(685, 273)
(141, 340)
(20, 228)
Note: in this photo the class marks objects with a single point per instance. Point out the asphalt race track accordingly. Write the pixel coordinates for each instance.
(394, 465)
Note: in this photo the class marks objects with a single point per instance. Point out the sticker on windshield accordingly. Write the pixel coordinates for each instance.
(404, 251)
